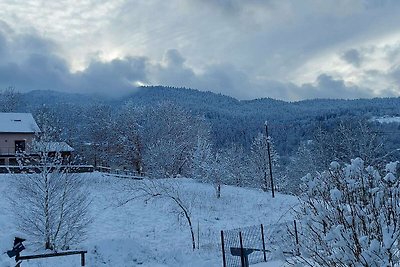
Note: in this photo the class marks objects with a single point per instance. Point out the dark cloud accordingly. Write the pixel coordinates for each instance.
(352, 57)
(173, 58)
(31, 62)
(229, 80)
(226, 79)
(172, 71)
(220, 78)
(328, 87)
(116, 77)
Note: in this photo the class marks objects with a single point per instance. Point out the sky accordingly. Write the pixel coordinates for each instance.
(283, 49)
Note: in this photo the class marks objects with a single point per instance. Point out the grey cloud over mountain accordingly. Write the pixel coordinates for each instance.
(247, 49)
(31, 62)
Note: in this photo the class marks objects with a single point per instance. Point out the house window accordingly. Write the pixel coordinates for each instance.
(19, 145)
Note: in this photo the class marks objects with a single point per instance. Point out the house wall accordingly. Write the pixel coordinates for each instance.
(7, 142)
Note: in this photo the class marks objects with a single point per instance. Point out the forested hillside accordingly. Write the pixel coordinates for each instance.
(232, 121)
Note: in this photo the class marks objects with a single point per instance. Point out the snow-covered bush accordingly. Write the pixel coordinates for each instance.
(350, 216)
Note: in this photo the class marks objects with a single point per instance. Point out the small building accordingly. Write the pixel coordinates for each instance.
(53, 148)
(17, 131)
(17, 134)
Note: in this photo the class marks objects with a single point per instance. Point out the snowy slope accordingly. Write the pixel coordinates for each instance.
(153, 234)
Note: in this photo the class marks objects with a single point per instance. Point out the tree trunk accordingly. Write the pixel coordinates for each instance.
(218, 190)
(47, 244)
(187, 216)
(265, 185)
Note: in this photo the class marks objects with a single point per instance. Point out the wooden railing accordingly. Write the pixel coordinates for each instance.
(121, 173)
(38, 169)
(7, 150)
(19, 259)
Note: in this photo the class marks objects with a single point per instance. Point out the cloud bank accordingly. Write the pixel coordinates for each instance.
(247, 49)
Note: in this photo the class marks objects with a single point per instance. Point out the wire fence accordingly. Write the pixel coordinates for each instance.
(254, 244)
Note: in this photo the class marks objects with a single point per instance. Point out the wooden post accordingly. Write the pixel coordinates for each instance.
(242, 256)
(17, 260)
(223, 249)
(297, 239)
(198, 234)
(263, 241)
(82, 259)
(269, 160)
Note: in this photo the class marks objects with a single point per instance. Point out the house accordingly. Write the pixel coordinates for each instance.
(17, 131)
(53, 148)
(17, 134)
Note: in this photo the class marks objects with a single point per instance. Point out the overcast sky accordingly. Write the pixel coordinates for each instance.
(247, 49)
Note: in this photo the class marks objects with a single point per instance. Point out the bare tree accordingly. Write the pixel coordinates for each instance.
(51, 204)
(167, 189)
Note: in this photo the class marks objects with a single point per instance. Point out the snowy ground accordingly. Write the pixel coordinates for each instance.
(386, 119)
(153, 234)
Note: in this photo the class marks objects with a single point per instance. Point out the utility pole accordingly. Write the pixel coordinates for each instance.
(269, 160)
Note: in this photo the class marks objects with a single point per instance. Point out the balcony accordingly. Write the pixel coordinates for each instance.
(7, 151)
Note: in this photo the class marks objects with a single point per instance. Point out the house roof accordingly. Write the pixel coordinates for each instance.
(53, 147)
(18, 123)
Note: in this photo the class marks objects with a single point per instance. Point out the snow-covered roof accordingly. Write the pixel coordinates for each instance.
(53, 147)
(18, 123)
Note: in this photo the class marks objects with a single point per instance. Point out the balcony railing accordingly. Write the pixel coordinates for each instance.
(7, 150)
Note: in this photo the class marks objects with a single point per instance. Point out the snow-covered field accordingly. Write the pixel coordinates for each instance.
(387, 119)
(153, 234)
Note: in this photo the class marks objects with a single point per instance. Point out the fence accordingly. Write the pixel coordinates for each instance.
(38, 169)
(124, 173)
(254, 244)
(82, 253)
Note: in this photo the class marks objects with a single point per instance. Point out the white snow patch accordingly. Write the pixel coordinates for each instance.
(387, 119)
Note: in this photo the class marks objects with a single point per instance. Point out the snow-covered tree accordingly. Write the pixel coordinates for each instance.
(300, 164)
(10, 100)
(51, 204)
(101, 128)
(350, 216)
(346, 140)
(170, 136)
(129, 134)
(260, 160)
(210, 166)
(237, 165)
